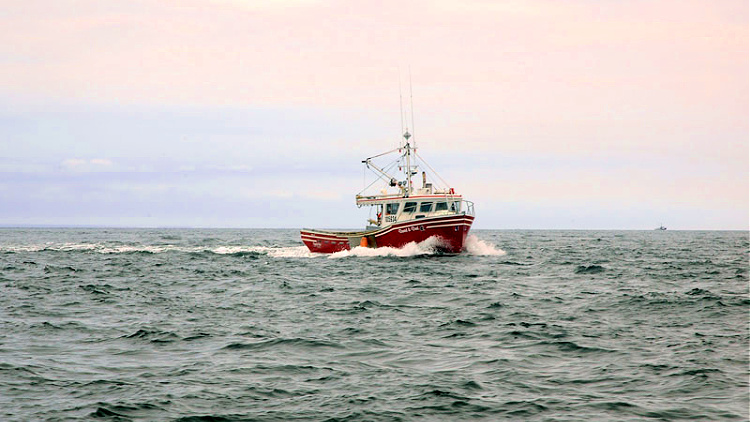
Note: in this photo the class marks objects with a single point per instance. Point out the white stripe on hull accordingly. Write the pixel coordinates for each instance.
(462, 221)
(431, 223)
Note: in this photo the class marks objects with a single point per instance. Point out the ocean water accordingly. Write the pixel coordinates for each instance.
(235, 325)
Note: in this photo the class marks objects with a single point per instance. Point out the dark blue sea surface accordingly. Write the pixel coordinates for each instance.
(233, 325)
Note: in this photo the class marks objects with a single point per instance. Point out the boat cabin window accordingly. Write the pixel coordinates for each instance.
(425, 207)
(456, 206)
(391, 209)
(410, 207)
(441, 206)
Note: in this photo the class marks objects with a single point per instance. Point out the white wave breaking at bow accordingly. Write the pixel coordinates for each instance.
(474, 246)
(477, 246)
(426, 247)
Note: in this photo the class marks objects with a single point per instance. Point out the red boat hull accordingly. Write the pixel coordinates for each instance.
(450, 230)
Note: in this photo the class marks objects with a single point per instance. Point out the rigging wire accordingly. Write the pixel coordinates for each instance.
(404, 130)
(432, 169)
(380, 176)
(381, 154)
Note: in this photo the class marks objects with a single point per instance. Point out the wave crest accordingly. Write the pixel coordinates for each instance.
(477, 246)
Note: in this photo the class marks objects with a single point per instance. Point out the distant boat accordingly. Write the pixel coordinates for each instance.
(660, 228)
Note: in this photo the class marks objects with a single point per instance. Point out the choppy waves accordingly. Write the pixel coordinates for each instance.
(227, 325)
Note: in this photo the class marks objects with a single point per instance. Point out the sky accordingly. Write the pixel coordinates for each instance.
(583, 114)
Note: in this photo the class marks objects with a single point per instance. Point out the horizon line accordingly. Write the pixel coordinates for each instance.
(89, 226)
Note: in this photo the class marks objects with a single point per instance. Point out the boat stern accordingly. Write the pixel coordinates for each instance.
(321, 242)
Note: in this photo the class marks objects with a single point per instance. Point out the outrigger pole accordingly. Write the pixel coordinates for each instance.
(370, 164)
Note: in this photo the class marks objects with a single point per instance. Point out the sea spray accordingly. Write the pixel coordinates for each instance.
(473, 246)
(479, 247)
(427, 247)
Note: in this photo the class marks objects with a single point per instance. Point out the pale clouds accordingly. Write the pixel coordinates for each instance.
(74, 162)
(93, 164)
(101, 161)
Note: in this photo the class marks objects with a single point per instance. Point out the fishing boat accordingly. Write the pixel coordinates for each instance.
(661, 227)
(404, 211)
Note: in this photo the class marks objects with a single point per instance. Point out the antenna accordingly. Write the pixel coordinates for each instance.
(400, 104)
(411, 100)
(405, 132)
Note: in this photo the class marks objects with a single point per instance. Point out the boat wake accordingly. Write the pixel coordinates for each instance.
(280, 252)
(474, 246)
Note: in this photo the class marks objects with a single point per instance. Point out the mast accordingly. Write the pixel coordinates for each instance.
(407, 135)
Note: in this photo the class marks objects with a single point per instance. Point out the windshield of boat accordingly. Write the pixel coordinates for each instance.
(410, 207)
